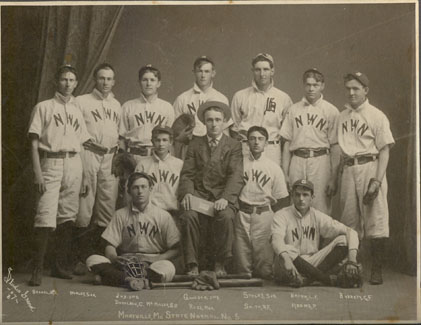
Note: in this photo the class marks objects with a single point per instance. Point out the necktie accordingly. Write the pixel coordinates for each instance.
(212, 144)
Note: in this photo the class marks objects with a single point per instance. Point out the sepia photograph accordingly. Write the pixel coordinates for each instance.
(210, 162)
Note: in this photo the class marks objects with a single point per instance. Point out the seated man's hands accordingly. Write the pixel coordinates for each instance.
(221, 204)
(186, 202)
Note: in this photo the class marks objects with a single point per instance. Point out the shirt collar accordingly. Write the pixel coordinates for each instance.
(136, 210)
(307, 103)
(150, 100)
(98, 94)
(197, 89)
(156, 158)
(62, 99)
(217, 138)
(251, 157)
(298, 213)
(253, 83)
(359, 108)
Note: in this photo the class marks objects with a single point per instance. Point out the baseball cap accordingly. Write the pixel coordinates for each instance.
(164, 268)
(66, 68)
(304, 183)
(359, 76)
(162, 129)
(202, 58)
(265, 56)
(206, 105)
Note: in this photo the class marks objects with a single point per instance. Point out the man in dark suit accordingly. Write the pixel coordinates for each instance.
(212, 171)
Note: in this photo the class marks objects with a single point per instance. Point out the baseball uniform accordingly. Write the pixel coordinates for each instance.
(165, 175)
(140, 116)
(102, 117)
(252, 106)
(265, 184)
(312, 129)
(61, 129)
(362, 133)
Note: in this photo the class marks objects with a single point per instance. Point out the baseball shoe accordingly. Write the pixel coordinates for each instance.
(36, 278)
(376, 275)
(193, 270)
(220, 270)
(80, 269)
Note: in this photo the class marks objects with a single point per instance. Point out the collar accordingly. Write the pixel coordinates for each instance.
(136, 210)
(251, 157)
(359, 108)
(218, 139)
(150, 100)
(156, 158)
(307, 103)
(197, 89)
(98, 94)
(63, 99)
(253, 83)
(298, 213)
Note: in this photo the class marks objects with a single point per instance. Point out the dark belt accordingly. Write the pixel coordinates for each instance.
(310, 153)
(102, 151)
(248, 208)
(359, 160)
(144, 151)
(57, 155)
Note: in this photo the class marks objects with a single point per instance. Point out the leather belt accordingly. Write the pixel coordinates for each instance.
(142, 151)
(310, 153)
(102, 151)
(359, 160)
(248, 208)
(57, 155)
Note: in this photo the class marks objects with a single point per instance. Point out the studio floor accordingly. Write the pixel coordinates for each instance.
(65, 301)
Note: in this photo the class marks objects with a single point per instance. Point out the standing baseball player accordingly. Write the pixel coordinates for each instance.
(141, 115)
(265, 192)
(142, 239)
(102, 113)
(57, 130)
(311, 149)
(261, 104)
(365, 139)
(164, 170)
(202, 91)
(296, 232)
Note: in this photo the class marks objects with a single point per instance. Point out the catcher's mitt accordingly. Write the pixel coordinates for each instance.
(372, 191)
(350, 275)
(183, 127)
(206, 281)
(134, 268)
(123, 164)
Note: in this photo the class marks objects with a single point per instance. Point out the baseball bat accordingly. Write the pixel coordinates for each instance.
(186, 278)
(224, 283)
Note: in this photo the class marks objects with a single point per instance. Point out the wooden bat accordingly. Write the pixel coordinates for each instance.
(186, 278)
(224, 283)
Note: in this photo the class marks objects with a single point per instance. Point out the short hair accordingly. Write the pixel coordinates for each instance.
(262, 57)
(149, 68)
(313, 73)
(201, 61)
(214, 108)
(135, 176)
(102, 66)
(259, 129)
(158, 131)
(350, 76)
(64, 69)
(303, 187)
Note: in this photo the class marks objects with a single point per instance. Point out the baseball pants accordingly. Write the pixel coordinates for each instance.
(103, 190)
(371, 221)
(60, 202)
(318, 171)
(272, 151)
(252, 251)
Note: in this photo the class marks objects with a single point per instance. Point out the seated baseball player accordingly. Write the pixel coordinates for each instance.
(295, 236)
(265, 192)
(163, 168)
(212, 171)
(142, 239)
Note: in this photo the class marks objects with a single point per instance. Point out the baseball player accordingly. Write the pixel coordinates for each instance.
(311, 149)
(56, 131)
(163, 168)
(265, 192)
(261, 104)
(189, 101)
(365, 139)
(141, 115)
(141, 230)
(101, 112)
(296, 232)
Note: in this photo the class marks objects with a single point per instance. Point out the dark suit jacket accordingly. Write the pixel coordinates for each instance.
(215, 176)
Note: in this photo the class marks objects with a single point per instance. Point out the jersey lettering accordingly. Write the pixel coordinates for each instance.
(299, 121)
(163, 177)
(309, 232)
(96, 115)
(150, 117)
(75, 124)
(259, 177)
(270, 105)
(143, 229)
(131, 231)
(57, 118)
(311, 120)
(107, 113)
(192, 107)
(353, 127)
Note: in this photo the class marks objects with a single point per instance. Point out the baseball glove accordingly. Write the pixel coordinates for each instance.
(372, 191)
(123, 164)
(350, 275)
(183, 128)
(135, 271)
(206, 281)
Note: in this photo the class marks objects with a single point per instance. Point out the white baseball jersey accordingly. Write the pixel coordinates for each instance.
(364, 130)
(189, 102)
(166, 176)
(252, 106)
(102, 117)
(265, 182)
(309, 126)
(151, 231)
(140, 116)
(59, 125)
(300, 235)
